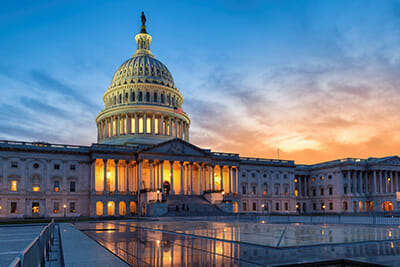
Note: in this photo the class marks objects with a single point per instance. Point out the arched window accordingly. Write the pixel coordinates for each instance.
(148, 125)
(169, 100)
(132, 96)
(111, 208)
(122, 208)
(244, 189)
(120, 98)
(115, 100)
(126, 97)
(345, 206)
(99, 208)
(147, 96)
(140, 96)
(162, 98)
(155, 97)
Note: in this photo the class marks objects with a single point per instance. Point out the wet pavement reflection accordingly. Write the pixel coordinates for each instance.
(204, 243)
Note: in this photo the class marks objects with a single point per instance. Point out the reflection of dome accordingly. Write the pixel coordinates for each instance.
(143, 69)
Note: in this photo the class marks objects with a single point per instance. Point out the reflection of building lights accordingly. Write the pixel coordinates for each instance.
(391, 245)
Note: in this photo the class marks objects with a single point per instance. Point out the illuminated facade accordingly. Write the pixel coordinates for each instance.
(143, 154)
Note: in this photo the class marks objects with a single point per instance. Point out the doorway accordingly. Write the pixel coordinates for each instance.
(167, 187)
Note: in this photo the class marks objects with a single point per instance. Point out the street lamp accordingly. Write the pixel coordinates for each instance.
(65, 209)
(158, 195)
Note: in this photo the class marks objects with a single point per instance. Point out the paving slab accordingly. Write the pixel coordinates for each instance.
(80, 250)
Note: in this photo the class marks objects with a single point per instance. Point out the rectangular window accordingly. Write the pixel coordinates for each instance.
(286, 206)
(277, 206)
(14, 185)
(56, 166)
(56, 186)
(253, 190)
(56, 207)
(322, 191)
(14, 164)
(345, 190)
(114, 128)
(314, 192)
(35, 207)
(72, 167)
(72, 207)
(35, 188)
(276, 189)
(314, 206)
(72, 187)
(330, 191)
(13, 207)
(331, 206)
(244, 190)
(254, 206)
(244, 206)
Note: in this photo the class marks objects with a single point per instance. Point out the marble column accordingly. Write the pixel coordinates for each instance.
(153, 119)
(118, 125)
(182, 192)
(93, 175)
(140, 179)
(201, 178)
(151, 174)
(213, 177)
(191, 178)
(230, 179)
(105, 176)
(172, 177)
(112, 126)
(127, 178)
(169, 126)
(390, 182)
(136, 124)
(144, 123)
(116, 176)
(209, 178)
(162, 175)
(221, 168)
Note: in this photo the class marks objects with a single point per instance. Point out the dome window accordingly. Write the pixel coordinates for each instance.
(120, 98)
(132, 96)
(126, 97)
(140, 96)
(155, 97)
(147, 96)
(162, 98)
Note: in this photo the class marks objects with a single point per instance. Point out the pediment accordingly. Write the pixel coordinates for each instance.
(390, 161)
(176, 147)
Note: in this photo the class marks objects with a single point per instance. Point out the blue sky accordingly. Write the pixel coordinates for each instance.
(318, 79)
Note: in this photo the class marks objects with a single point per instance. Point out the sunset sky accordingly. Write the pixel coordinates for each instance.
(318, 79)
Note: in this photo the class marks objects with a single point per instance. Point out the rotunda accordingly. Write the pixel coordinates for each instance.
(142, 104)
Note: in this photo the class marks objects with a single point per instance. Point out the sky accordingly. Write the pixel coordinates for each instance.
(320, 80)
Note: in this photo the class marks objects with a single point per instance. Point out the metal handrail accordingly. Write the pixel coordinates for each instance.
(35, 253)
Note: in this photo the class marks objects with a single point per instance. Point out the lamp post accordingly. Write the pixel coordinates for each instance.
(262, 209)
(65, 210)
(158, 195)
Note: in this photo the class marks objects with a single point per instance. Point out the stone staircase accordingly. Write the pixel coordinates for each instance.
(184, 205)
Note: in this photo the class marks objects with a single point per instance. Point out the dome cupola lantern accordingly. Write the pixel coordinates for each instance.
(142, 104)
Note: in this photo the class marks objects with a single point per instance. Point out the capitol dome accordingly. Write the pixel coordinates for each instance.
(143, 68)
(142, 104)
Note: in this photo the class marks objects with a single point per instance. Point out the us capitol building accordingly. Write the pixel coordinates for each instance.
(143, 164)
